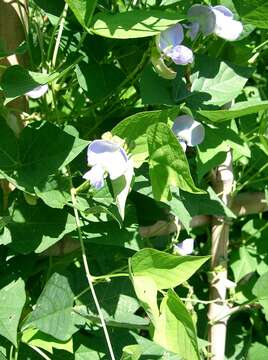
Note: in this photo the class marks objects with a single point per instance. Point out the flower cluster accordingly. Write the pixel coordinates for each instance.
(207, 20)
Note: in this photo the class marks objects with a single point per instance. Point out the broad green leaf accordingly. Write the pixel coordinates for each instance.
(83, 10)
(30, 160)
(216, 82)
(132, 352)
(17, 81)
(257, 351)
(36, 228)
(120, 316)
(133, 130)
(254, 12)
(98, 81)
(12, 299)
(37, 338)
(154, 89)
(55, 192)
(166, 270)
(146, 291)
(175, 329)
(242, 263)
(133, 24)
(237, 110)
(168, 163)
(261, 291)
(121, 188)
(52, 313)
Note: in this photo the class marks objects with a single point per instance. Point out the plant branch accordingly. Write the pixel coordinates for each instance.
(88, 275)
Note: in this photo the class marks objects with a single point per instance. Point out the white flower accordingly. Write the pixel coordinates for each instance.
(214, 19)
(169, 42)
(38, 91)
(188, 131)
(186, 247)
(106, 156)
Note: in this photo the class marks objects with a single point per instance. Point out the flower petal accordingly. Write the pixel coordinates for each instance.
(224, 10)
(204, 16)
(181, 55)
(95, 176)
(171, 37)
(186, 247)
(38, 91)
(188, 130)
(193, 30)
(226, 27)
(110, 156)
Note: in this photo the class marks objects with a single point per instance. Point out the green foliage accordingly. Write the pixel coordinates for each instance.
(12, 301)
(124, 235)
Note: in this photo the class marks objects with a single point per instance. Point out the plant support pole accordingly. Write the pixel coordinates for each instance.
(223, 185)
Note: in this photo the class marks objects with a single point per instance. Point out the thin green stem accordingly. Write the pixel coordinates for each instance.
(57, 44)
(110, 276)
(86, 267)
(39, 351)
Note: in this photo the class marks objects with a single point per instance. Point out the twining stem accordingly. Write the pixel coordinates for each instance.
(223, 183)
(39, 351)
(88, 275)
(57, 44)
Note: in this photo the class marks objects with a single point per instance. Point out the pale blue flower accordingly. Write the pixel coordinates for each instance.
(38, 91)
(169, 43)
(188, 131)
(214, 19)
(186, 247)
(105, 156)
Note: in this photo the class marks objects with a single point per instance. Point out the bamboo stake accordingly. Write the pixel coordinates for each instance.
(223, 184)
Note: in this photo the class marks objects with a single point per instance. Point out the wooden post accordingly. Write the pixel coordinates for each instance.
(223, 183)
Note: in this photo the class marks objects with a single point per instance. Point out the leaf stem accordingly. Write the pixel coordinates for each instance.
(89, 277)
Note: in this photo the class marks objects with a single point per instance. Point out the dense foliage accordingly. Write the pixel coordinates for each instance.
(112, 166)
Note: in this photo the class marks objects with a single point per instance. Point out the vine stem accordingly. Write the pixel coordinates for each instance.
(57, 44)
(89, 277)
(39, 351)
(223, 183)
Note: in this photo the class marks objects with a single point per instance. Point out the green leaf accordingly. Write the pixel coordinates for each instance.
(36, 338)
(17, 81)
(133, 24)
(216, 82)
(98, 81)
(254, 12)
(175, 329)
(242, 263)
(55, 192)
(237, 110)
(132, 352)
(154, 89)
(121, 188)
(261, 291)
(168, 163)
(36, 228)
(30, 160)
(257, 351)
(83, 10)
(12, 299)
(52, 313)
(133, 130)
(167, 271)
(146, 291)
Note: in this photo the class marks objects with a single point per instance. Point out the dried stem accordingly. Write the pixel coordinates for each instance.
(223, 184)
